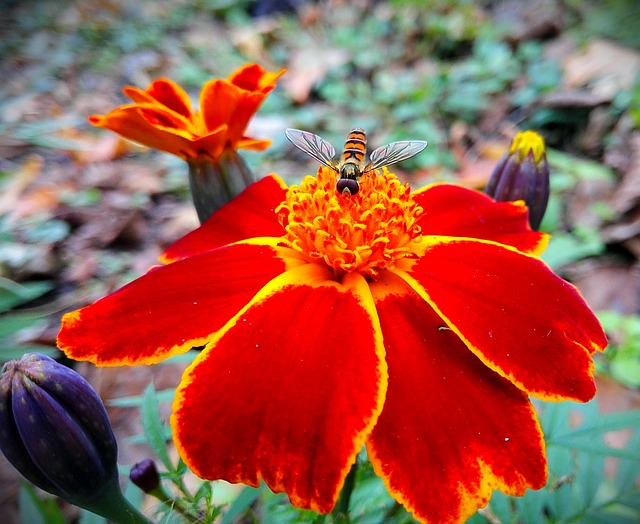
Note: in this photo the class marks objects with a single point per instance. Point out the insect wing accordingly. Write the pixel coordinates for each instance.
(313, 145)
(394, 152)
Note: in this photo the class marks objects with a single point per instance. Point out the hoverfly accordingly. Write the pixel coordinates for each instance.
(351, 165)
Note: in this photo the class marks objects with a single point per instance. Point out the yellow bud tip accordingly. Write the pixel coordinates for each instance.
(527, 142)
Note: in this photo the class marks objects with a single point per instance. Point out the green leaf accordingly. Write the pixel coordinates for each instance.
(162, 396)
(565, 248)
(12, 323)
(608, 518)
(531, 507)
(625, 368)
(579, 168)
(604, 423)
(204, 492)
(34, 510)
(241, 504)
(589, 477)
(628, 470)
(598, 449)
(13, 294)
(87, 517)
(631, 500)
(154, 427)
(501, 506)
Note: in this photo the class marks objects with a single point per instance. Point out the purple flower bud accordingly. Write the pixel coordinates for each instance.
(55, 431)
(144, 474)
(523, 174)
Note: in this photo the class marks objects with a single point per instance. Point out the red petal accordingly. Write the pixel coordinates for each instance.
(164, 92)
(255, 144)
(451, 430)
(455, 211)
(170, 94)
(212, 143)
(219, 101)
(290, 390)
(167, 120)
(249, 215)
(252, 77)
(172, 308)
(514, 313)
(139, 96)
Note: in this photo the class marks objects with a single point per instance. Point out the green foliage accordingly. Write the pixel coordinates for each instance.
(634, 103)
(14, 325)
(614, 19)
(43, 133)
(578, 242)
(37, 510)
(565, 248)
(156, 432)
(579, 489)
(622, 358)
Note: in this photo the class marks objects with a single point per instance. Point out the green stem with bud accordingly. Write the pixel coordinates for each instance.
(161, 494)
(113, 506)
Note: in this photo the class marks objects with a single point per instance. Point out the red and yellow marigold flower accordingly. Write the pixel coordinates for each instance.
(161, 116)
(415, 324)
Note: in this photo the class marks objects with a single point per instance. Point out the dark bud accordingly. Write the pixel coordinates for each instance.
(145, 475)
(523, 174)
(55, 431)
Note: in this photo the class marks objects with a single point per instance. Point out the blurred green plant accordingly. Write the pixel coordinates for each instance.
(580, 488)
(43, 133)
(614, 19)
(622, 357)
(16, 325)
(576, 242)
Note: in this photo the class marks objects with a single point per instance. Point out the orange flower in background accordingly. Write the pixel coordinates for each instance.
(161, 116)
(416, 324)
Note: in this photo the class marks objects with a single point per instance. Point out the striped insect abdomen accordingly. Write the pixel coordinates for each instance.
(354, 148)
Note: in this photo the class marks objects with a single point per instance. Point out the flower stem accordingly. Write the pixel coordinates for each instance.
(161, 494)
(341, 511)
(113, 506)
(213, 183)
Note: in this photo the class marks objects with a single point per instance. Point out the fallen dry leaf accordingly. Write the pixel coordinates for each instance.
(102, 148)
(22, 178)
(625, 227)
(603, 66)
(309, 65)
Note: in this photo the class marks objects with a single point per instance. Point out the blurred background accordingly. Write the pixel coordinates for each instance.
(82, 211)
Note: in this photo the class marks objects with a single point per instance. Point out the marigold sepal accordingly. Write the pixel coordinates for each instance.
(523, 174)
(214, 183)
(56, 433)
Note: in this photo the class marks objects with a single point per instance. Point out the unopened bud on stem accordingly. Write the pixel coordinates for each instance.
(56, 433)
(523, 174)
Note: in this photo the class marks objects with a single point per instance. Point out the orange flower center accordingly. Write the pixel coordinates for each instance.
(365, 232)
